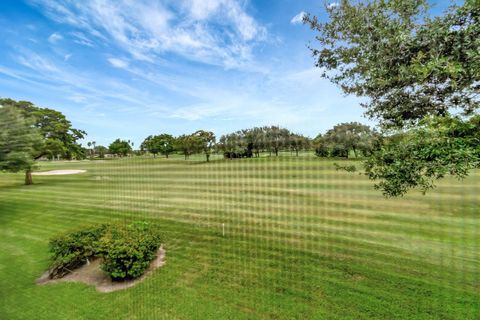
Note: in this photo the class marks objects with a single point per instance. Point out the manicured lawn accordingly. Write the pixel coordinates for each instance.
(302, 241)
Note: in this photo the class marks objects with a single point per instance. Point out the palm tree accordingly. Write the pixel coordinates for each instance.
(94, 143)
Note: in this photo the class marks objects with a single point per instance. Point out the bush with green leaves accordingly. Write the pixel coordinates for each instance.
(348, 168)
(73, 249)
(322, 151)
(128, 250)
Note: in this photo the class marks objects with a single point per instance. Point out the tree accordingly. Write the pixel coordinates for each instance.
(247, 142)
(409, 65)
(60, 138)
(186, 144)
(298, 142)
(91, 146)
(236, 145)
(232, 144)
(255, 137)
(20, 141)
(163, 144)
(321, 149)
(101, 151)
(276, 138)
(166, 144)
(346, 137)
(120, 147)
(204, 141)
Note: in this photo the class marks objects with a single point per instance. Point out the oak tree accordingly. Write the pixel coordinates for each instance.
(163, 143)
(20, 142)
(411, 67)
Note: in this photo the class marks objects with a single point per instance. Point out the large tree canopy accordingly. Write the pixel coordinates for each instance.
(234, 142)
(276, 138)
(186, 144)
(249, 142)
(20, 141)
(120, 147)
(60, 138)
(204, 141)
(346, 137)
(411, 67)
(163, 143)
(298, 142)
(408, 64)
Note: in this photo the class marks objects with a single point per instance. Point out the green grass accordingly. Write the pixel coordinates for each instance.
(303, 241)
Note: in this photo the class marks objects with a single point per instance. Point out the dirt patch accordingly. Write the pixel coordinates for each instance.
(91, 274)
(58, 172)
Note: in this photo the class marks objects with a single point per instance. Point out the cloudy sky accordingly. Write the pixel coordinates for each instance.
(130, 68)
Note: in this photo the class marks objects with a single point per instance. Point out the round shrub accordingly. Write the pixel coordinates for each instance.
(128, 250)
(71, 250)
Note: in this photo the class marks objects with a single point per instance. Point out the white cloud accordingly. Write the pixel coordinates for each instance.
(333, 5)
(118, 63)
(55, 37)
(88, 89)
(78, 98)
(199, 111)
(218, 32)
(80, 38)
(298, 19)
(201, 9)
(36, 62)
(67, 57)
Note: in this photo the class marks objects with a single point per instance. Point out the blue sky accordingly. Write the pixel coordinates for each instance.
(129, 69)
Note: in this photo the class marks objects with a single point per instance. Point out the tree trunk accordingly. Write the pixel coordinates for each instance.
(355, 152)
(28, 177)
(276, 152)
(166, 155)
(296, 152)
(185, 156)
(208, 157)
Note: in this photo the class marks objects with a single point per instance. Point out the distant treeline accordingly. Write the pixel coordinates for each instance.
(59, 140)
(343, 140)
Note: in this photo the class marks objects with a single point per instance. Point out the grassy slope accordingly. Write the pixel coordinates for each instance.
(302, 241)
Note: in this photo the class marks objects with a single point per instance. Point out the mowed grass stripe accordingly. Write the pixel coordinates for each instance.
(347, 217)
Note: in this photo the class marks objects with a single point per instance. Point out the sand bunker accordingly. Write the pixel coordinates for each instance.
(58, 172)
(91, 274)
